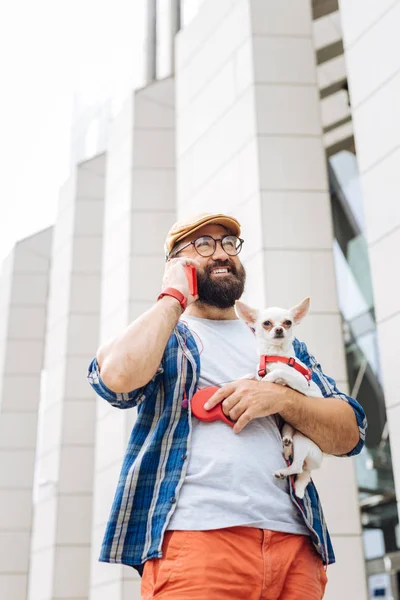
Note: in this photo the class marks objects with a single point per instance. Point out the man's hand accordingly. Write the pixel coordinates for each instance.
(244, 400)
(175, 276)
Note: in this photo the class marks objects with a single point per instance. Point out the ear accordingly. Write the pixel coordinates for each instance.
(300, 311)
(245, 312)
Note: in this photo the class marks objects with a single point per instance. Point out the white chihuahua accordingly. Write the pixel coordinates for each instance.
(273, 328)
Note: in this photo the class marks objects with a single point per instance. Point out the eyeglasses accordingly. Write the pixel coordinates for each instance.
(206, 245)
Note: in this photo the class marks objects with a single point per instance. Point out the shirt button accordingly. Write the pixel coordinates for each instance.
(173, 500)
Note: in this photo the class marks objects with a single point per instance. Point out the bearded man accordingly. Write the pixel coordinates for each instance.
(197, 510)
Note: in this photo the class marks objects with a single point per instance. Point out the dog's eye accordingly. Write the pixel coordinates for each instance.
(288, 323)
(267, 323)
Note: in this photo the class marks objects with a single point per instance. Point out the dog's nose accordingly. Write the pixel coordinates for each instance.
(279, 330)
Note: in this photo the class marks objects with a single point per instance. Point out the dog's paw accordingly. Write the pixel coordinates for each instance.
(287, 452)
(300, 493)
(279, 475)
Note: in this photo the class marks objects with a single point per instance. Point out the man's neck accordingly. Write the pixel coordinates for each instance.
(204, 311)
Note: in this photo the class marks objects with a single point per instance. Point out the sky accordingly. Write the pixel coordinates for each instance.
(52, 51)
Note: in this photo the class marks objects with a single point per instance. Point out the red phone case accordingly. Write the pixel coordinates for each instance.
(192, 279)
(215, 414)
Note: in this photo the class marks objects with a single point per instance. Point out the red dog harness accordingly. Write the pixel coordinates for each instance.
(264, 359)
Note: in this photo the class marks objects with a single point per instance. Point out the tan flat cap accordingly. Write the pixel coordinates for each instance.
(181, 229)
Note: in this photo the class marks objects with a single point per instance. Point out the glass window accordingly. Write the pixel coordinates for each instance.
(374, 467)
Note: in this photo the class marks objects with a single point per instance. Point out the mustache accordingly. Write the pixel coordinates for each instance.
(221, 264)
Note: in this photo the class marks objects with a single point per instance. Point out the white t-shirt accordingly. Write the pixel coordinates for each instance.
(230, 477)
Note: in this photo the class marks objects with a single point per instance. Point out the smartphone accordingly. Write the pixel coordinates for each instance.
(192, 279)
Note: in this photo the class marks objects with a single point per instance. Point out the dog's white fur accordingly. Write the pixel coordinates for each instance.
(275, 337)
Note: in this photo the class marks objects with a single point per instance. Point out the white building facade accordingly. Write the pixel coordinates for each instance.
(283, 113)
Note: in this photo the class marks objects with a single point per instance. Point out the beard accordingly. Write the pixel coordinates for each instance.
(221, 292)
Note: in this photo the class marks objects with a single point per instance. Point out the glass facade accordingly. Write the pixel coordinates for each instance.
(377, 496)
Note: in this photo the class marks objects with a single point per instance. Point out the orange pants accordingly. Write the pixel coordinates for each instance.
(236, 563)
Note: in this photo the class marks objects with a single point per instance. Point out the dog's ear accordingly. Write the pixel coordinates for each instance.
(245, 312)
(300, 311)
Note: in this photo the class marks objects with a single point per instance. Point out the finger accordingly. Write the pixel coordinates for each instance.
(192, 261)
(219, 396)
(230, 404)
(183, 260)
(243, 420)
(237, 409)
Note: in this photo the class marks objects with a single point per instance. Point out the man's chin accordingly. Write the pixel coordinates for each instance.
(220, 290)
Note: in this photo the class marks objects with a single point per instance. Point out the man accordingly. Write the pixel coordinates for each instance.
(197, 503)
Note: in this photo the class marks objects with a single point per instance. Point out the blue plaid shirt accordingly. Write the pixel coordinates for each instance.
(156, 458)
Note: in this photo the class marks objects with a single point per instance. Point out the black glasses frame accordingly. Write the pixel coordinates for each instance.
(221, 240)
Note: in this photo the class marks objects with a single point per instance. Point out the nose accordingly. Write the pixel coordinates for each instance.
(219, 252)
(278, 330)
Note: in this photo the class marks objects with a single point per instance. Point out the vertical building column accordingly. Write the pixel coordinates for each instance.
(23, 304)
(372, 51)
(139, 209)
(249, 142)
(61, 538)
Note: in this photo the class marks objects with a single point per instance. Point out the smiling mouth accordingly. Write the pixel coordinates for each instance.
(220, 271)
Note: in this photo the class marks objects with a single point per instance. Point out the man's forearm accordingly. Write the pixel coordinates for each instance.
(130, 360)
(329, 422)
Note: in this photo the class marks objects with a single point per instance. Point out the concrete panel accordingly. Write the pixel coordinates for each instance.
(141, 287)
(315, 330)
(382, 181)
(30, 290)
(278, 109)
(15, 510)
(388, 332)
(280, 208)
(295, 64)
(14, 586)
(71, 572)
(79, 421)
(149, 229)
(292, 163)
(393, 415)
(89, 217)
(346, 578)
(74, 519)
(359, 16)
(288, 17)
(340, 508)
(76, 469)
(21, 393)
(212, 56)
(18, 430)
(16, 469)
(106, 484)
(378, 120)
(386, 287)
(27, 323)
(311, 274)
(114, 255)
(14, 551)
(41, 575)
(44, 524)
(146, 189)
